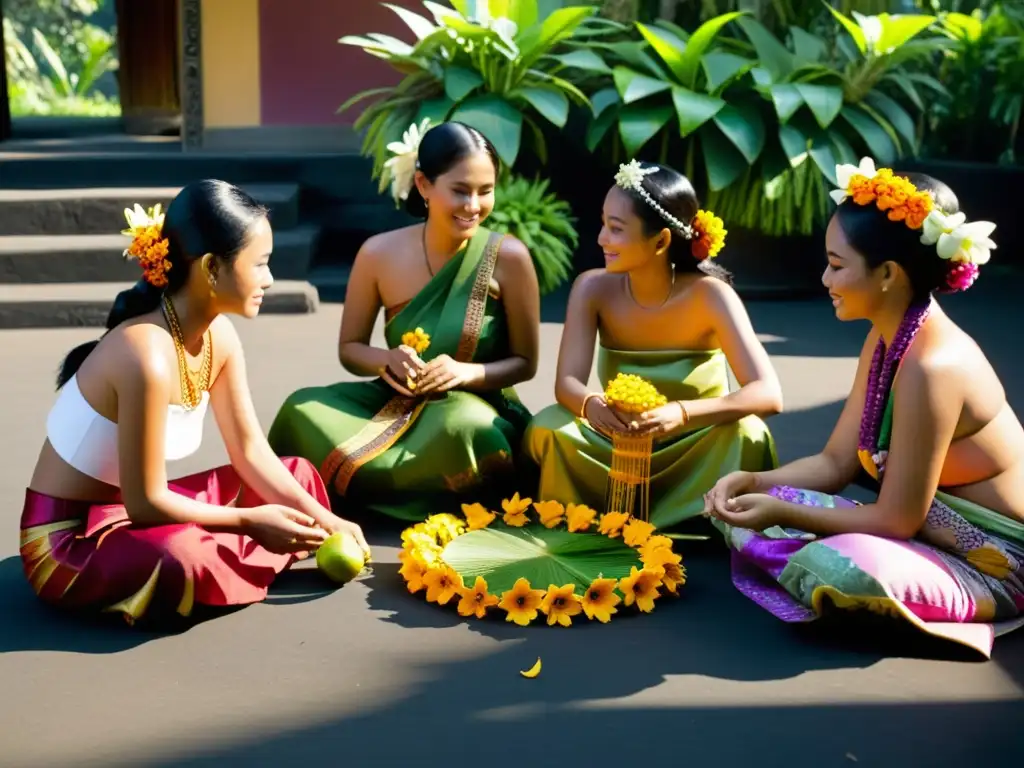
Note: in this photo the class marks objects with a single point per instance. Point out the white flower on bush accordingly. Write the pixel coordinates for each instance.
(846, 172)
(957, 240)
(400, 170)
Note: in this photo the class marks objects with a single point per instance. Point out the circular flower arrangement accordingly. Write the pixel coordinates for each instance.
(630, 393)
(589, 564)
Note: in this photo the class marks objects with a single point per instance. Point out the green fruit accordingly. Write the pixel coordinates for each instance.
(340, 558)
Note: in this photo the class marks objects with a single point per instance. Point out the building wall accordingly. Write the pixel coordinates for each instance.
(231, 63)
(305, 74)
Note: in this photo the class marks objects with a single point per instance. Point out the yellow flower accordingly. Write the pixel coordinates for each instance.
(515, 511)
(640, 587)
(560, 605)
(443, 583)
(476, 601)
(630, 393)
(477, 516)
(637, 532)
(674, 576)
(656, 559)
(600, 600)
(445, 527)
(653, 543)
(521, 602)
(611, 523)
(580, 517)
(413, 570)
(710, 235)
(418, 339)
(551, 512)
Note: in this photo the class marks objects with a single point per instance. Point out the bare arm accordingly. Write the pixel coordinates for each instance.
(837, 465)
(926, 410)
(250, 454)
(760, 393)
(143, 380)
(362, 305)
(576, 350)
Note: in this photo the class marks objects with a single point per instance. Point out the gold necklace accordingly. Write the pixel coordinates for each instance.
(671, 287)
(193, 383)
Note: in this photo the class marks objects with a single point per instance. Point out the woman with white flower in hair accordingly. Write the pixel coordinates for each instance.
(662, 309)
(441, 420)
(926, 419)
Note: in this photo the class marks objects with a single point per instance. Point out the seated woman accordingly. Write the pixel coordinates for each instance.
(664, 312)
(102, 528)
(442, 422)
(926, 412)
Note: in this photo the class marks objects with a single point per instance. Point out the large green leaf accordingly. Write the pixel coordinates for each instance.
(825, 101)
(895, 114)
(743, 126)
(694, 109)
(723, 161)
(773, 55)
(897, 30)
(823, 156)
(787, 100)
(669, 47)
(542, 556)
(420, 26)
(843, 151)
(907, 86)
(854, 30)
(435, 110)
(878, 141)
(551, 103)
(639, 123)
(633, 53)
(541, 38)
(697, 46)
(522, 12)
(598, 129)
(794, 144)
(584, 59)
(720, 67)
(633, 86)
(808, 47)
(459, 82)
(603, 99)
(496, 119)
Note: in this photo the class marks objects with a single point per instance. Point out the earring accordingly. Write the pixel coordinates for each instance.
(885, 288)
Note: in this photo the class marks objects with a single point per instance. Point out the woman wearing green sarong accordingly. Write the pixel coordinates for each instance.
(441, 424)
(663, 311)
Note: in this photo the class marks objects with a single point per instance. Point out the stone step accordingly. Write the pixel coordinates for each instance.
(100, 210)
(42, 259)
(62, 305)
(331, 281)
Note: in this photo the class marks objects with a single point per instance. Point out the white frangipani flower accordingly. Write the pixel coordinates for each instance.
(846, 172)
(400, 170)
(958, 240)
(138, 218)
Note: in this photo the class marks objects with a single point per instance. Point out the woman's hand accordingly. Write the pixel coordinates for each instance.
(663, 421)
(755, 511)
(727, 489)
(603, 417)
(404, 365)
(443, 374)
(282, 529)
(334, 524)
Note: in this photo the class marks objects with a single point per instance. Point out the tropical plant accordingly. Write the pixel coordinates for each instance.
(484, 62)
(759, 110)
(527, 210)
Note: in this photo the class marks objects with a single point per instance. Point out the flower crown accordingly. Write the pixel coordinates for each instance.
(400, 170)
(148, 245)
(965, 245)
(706, 231)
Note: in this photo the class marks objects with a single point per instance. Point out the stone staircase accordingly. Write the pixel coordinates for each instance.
(61, 212)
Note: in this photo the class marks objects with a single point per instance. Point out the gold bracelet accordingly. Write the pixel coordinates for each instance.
(686, 414)
(583, 408)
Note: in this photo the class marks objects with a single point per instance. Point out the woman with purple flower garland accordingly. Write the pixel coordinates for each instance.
(943, 545)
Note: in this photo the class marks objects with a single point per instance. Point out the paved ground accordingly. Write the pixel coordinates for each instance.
(368, 676)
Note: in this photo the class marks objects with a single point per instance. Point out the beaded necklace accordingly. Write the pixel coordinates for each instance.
(193, 383)
(876, 420)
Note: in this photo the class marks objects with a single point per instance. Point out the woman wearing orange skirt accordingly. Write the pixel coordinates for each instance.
(103, 529)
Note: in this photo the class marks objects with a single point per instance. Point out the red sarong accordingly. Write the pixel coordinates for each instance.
(91, 557)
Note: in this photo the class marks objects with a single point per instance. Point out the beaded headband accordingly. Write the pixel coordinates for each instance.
(148, 246)
(706, 232)
(966, 245)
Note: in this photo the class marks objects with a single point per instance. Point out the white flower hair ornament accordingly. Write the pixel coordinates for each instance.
(631, 176)
(400, 170)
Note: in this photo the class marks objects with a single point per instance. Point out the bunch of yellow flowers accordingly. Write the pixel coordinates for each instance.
(630, 393)
(418, 339)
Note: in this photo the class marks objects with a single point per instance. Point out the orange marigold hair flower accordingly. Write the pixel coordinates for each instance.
(708, 235)
(896, 196)
(148, 245)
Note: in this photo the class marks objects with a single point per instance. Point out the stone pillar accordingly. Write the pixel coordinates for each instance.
(5, 106)
(149, 73)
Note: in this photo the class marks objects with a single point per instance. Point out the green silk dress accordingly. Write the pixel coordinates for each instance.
(574, 459)
(412, 457)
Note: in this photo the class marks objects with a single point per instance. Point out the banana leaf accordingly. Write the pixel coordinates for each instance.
(543, 556)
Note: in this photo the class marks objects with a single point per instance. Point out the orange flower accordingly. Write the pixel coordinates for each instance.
(611, 523)
(674, 576)
(640, 587)
(477, 516)
(560, 605)
(709, 237)
(600, 600)
(413, 570)
(521, 602)
(653, 543)
(637, 532)
(442, 584)
(515, 511)
(476, 601)
(656, 559)
(580, 517)
(551, 512)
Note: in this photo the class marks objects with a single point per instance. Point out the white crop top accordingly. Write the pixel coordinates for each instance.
(88, 441)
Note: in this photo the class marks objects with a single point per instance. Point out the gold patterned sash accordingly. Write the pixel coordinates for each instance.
(399, 413)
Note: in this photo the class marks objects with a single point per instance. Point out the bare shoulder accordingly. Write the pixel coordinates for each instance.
(384, 245)
(226, 341)
(595, 284)
(513, 250)
(138, 351)
(943, 352)
(712, 292)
